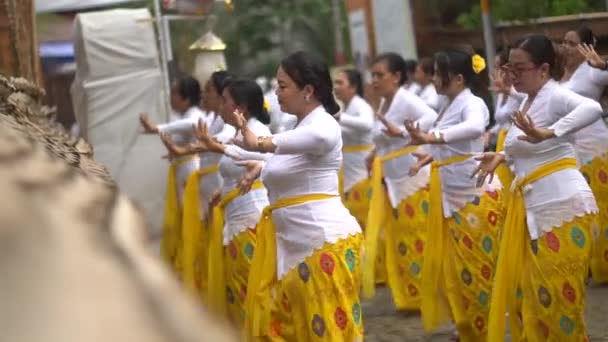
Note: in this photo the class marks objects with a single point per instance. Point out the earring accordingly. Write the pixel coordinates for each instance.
(307, 98)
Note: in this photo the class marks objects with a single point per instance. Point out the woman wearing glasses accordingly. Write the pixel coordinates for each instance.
(546, 241)
(587, 75)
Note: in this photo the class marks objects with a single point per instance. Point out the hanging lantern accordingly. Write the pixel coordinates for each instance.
(209, 58)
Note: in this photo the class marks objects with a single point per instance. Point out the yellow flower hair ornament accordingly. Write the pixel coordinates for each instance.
(266, 105)
(479, 64)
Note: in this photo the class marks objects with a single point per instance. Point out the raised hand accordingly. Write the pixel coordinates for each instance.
(390, 130)
(417, 136)
(488, 162)
(591, 56)
(532, 133)
(201, 131)
(173, 149)
(147, 123)
(253, 170)
(422, 160)
(499, 85)
(250, 140)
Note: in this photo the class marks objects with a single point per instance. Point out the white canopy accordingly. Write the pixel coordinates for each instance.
(43, 6)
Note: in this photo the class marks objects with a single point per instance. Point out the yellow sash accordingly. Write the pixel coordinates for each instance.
(502, 171)
(432, 310)
(351, 149)
(263, 272)
(375, 219)
(192, 228)
(216, 280)
(512, 251)
(172, 220)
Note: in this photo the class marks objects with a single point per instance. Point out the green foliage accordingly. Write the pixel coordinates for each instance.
(523, 10)
(259, 33)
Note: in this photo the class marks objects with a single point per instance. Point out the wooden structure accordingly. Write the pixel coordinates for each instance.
(431, 35)
(432, 39)
(18, 43)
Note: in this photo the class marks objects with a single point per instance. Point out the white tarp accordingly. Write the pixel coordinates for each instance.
(44, 6)
(118, 77)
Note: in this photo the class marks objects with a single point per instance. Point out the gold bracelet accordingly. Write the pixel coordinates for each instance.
(260, 143)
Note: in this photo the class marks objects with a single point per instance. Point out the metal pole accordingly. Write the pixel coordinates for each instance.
(166, 89)
(338, 32)
(488, 33)
(168, 42)
(488, 37)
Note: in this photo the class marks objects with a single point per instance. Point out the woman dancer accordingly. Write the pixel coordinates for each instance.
(464, 214)
(396, 211)
(185, 99)
(587, 75)
(304, 281)
(546, 241)
(356, 121)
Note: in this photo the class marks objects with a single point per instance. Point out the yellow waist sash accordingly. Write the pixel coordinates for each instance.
(375, 219)
(351, 149)
(512, 251)
(357, 148)
(263, 272)
(192, 227)
(216, 279)
(502, 171)
(171, 222)
(433, 312)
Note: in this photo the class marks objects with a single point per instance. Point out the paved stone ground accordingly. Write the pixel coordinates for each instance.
(383, 324)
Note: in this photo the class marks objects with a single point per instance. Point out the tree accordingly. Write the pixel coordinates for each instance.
(524, 10)
(259, 33)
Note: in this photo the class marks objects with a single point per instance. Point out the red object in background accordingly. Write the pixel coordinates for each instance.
(340, 60)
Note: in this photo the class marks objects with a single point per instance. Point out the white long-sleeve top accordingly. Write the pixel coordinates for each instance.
(212, 182)
(356, 122)
(462, 125)
(506, 105)
(279, 120)
(181, 133)
(244, 211)
(565, 194)
(429, 95)
(404, 106)
(306, 161)
(591, 141)
(413, 88)
(180, 129)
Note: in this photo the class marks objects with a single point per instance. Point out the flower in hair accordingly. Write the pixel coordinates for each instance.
(479, 63)
(266, 105)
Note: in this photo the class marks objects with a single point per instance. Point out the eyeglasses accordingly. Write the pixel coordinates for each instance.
(510, 69)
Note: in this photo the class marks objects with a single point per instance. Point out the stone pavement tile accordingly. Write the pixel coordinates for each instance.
(384, 324)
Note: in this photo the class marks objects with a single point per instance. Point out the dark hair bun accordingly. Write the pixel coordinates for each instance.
(304, 69)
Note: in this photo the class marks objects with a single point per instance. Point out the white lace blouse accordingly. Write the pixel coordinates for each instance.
(504, 110)
(429, 95)
(212, 182)
(563, 195)
(306, 161)
(400, 185)
(462, 125)
(244, 211)
(591, 141)
(357, 122)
